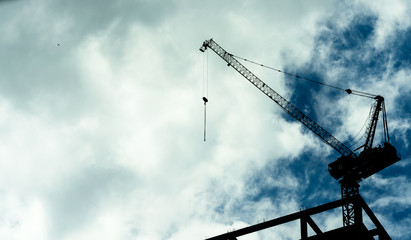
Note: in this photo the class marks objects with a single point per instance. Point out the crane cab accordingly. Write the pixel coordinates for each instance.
(343, 166)
(369, 162)
(376, 159)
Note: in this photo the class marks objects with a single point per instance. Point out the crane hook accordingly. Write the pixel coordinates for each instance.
(205, 117)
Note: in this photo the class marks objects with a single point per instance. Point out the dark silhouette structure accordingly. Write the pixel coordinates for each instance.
(357, 231)
(350, 168)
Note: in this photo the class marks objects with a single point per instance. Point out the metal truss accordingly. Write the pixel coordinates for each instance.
(355, 231)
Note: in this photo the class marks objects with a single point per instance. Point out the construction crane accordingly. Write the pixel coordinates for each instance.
(350, 168)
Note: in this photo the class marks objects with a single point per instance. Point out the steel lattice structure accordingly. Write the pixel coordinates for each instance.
(282, 102)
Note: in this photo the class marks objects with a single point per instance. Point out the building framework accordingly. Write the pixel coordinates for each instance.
(355, 231)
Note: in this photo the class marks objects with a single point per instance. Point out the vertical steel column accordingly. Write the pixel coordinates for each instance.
(303, 226)
(351, 211)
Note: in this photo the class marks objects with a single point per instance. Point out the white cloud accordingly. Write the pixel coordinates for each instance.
(22, 218)
(101, 137)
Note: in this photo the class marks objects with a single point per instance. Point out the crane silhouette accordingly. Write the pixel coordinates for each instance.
(350, 168)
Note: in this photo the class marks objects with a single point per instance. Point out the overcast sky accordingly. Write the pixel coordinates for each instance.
(101, 115)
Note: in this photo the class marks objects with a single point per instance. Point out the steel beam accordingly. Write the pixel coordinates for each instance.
(305, 219)
(281, 220)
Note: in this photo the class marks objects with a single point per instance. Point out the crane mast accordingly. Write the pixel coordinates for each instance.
(370, 133)
(378, 106)
(282, 102)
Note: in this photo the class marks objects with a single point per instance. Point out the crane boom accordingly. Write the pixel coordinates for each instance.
(282, 102)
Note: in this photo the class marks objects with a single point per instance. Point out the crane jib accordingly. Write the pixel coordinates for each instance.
(282, 102)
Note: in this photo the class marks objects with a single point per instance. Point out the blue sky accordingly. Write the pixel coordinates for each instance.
(101, 115)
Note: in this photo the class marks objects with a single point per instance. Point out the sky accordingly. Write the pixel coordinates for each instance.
(101, 115)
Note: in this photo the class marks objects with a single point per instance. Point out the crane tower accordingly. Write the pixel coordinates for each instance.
(349, 169)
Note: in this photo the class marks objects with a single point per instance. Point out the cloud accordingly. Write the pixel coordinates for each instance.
(101, 137)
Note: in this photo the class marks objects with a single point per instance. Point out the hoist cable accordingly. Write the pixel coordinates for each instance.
(349, 91)
(205, 120)
(359, 132)
(205, 93)
(203, 73)
(207, 78)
